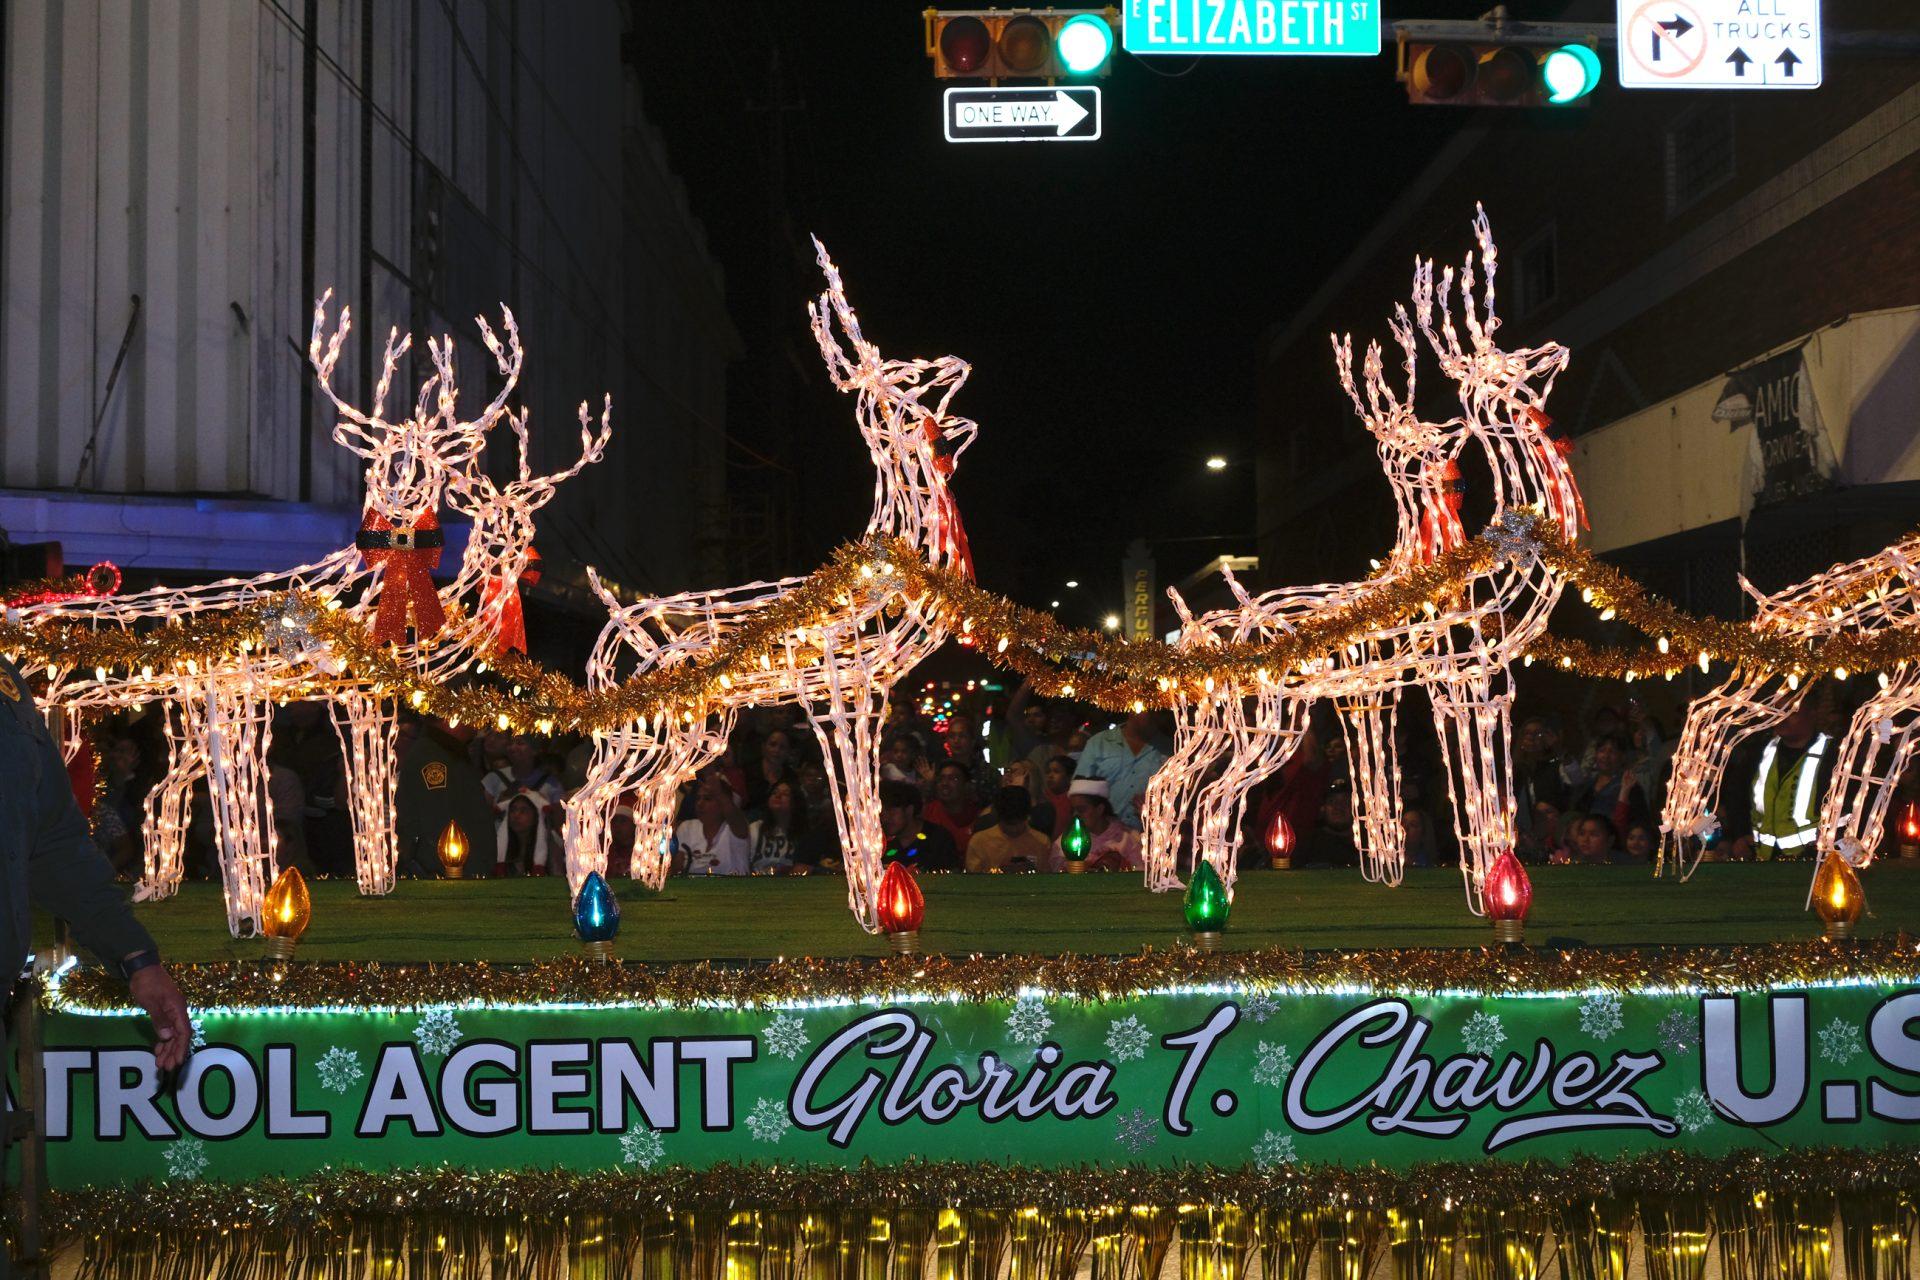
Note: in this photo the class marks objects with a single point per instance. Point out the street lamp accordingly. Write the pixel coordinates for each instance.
(1112, 622)
(1072, 583)
(1216, 463)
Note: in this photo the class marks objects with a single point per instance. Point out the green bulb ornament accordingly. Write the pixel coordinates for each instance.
(1074, 845)
(1206, 907)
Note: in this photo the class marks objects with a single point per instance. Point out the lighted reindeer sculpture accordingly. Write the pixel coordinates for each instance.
(841, 668)
(1873, 594)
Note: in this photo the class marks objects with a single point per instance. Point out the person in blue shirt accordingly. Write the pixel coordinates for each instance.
(1125, 758)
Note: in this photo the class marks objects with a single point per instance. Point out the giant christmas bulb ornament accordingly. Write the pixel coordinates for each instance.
(1206, 906)
(453, 851)
(1838, 898)
(900, 907)
(1074, 845)
(287, 912)
(596, 916)
(1909, 843)
(1509, 897)
(1280, 842)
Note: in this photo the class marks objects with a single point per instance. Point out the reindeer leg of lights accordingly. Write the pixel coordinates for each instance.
(1368, 722)
(1197, 741)
(1256, 748)
(1475, 722)
(166, 804)
(1744, 704)
(239, 729)
(1879, 745)
(364, 724)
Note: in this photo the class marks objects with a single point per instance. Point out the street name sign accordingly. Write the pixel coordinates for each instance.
(1065, 113)
(1719, 44)
(1325, 27)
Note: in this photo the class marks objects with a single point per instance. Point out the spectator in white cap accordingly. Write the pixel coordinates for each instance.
(620, 834)
(1112, 846)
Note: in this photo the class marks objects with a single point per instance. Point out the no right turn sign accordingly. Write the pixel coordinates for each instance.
(1719, 44)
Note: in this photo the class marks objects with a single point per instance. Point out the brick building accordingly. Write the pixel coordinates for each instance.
(1711, 259)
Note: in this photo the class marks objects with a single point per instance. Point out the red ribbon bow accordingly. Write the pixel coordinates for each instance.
(406, 589)
(512, 631)
(949, 536)
(1440, 527)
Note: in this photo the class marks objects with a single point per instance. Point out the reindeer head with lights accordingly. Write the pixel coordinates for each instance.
(903, 413)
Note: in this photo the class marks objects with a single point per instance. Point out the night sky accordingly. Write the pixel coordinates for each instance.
(1111, 295)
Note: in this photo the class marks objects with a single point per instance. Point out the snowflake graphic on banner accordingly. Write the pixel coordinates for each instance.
(768, 1120)
(1600, 1015)
(1692, 1110)
(1127, 1039)
(785, 1036)
(199, 1028)
(185, 1157)
(1274, 1149)
(1839, 1042)
(643, 1145)
(1261, 1007)
(1272, 1063)
(438, 1033)
(1137, 1132)
(1679, 1032)
(338, 1068)
(1483, 1034)
(1029, 1021)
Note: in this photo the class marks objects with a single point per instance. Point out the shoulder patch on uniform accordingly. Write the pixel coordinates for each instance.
(434, 774)
(9, 687)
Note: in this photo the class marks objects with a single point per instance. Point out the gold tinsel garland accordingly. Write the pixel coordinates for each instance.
(1061, 661)
(352, 984)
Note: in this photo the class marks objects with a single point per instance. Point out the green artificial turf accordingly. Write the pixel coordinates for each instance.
(520, 920)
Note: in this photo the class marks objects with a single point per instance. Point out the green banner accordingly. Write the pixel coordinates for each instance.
(1217, 1076)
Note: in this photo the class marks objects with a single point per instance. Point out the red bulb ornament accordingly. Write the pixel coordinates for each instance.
(901, 908)
(1509, 896)
(1909, 838)
(1280, 842)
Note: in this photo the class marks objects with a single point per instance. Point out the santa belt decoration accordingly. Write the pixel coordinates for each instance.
(407, 555)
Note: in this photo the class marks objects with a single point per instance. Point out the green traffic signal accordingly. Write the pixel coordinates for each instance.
(1570, 73)
(1084, 43)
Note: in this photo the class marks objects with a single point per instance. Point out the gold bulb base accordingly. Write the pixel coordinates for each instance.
(1076, 866)
(454, 873)
(1281, 862)
(1909, 852)
(598, 952)
(1207, 940)
(905, 943)
(1510, 933)
(1839, 931)
(281, 948)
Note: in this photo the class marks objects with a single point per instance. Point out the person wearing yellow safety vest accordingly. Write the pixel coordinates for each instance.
(1788, 785)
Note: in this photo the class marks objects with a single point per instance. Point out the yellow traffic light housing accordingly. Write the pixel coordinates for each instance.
(1022, 44)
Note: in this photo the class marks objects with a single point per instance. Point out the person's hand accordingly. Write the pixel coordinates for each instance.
(154, 990)
(923, 768)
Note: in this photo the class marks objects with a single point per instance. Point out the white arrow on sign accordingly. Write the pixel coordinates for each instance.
(1061, 112)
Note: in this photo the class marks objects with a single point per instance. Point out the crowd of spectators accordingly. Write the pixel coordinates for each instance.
(986, 792)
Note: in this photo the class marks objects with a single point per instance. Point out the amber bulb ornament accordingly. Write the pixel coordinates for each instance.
(1838, 898)
(453, 851)
(288, 911)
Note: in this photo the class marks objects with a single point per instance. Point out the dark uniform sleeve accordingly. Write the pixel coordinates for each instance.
(67, 875)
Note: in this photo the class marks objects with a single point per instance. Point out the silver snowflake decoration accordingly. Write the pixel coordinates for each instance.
(1693, 1111)
(1483, 1034)
(1137, 1132)
(1029, 1021)
(438, 1033)
(1839, 1042)
(287, 626)
(185, 1157)
(199, 1029)
(339, 1069)
(1272, 1063)
(768, 1120)
(1679, 1032)
(1261, 1007)
(785, 1036)
(1512, 537)
(1127, 1039)
(1274, 1149)
(643, 1145)
(1600, 1015)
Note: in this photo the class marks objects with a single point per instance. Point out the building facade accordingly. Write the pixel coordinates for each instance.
(1737, 276)
(182, 181)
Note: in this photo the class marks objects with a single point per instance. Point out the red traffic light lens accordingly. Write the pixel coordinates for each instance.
(964, 44)
(1507, 74)
(1025, 44)
(1444, 71)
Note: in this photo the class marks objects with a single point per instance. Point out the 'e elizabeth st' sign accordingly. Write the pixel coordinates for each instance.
(1312, 27)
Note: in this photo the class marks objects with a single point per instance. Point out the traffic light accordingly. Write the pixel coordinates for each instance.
(1460, 74)
(1021, 44)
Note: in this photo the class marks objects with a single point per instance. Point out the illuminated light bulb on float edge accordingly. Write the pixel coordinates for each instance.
(1280, 842)
(1206, 907)
(596, 917)
(288, 911)
(453, 851)
(1075, 844)
(1909, 834)
(900, 907)
(1838, 898)
(1509, 897)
